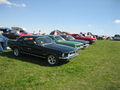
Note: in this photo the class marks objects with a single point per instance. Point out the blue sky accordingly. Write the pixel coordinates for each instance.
(96, 16)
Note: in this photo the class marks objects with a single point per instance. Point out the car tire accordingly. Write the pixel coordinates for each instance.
(52, 60)
(16, 52)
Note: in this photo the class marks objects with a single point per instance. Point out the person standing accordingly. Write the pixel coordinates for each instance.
(3, 42)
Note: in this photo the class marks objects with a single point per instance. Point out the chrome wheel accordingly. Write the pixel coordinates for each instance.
(16, 52)
(52, 60)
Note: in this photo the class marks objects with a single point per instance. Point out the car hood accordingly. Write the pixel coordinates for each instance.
(82, 41)
(88, 38)
(61, 48)
(69, 43)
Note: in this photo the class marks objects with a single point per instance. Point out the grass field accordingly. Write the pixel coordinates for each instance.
(96, 68)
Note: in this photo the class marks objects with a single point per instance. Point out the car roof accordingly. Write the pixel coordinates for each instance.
(34, 36)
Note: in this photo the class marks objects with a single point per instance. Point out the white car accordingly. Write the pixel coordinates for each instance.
(116, 37)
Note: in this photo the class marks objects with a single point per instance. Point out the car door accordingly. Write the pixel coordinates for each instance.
(25, 44)
(20, 44)
(29, 46)
(32, 48)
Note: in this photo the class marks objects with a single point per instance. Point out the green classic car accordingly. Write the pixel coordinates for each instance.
(59, 40)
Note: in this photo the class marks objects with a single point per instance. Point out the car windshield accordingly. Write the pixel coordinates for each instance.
(70, 37)
(76, 35)
(43, 40)
(80, 35)
(59, 38)
(23, 32)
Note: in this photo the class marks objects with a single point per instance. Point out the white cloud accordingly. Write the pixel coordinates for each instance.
(117, 21)
(7, 2)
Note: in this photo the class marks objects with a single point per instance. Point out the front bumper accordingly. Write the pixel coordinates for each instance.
(93, 41)
(69, 57)
(86, 45)
(81, 47)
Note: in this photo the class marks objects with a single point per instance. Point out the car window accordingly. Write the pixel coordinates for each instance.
(74, 35)
(23, 32)
(29, 40)
(52, 37)
(13, 31)
(43, 40)
(70, 37)
(59, 38)
(63, 36)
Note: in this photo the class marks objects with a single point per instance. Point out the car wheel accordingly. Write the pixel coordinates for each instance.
(52, 60)
(16, 52)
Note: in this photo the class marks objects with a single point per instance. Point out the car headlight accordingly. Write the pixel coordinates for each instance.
(63, 55)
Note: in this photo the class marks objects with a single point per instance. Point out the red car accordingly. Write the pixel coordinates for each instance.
(80, 37)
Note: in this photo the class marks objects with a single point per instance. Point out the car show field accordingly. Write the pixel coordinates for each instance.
(95, 68)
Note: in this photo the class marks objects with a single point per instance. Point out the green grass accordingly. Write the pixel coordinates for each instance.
(96, 68)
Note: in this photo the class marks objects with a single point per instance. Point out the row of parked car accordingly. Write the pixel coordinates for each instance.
(52, 47)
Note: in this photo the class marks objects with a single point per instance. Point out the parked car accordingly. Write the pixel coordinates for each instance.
(42, 46)
(80, 37)
(59, 40)
(116, 37)
(14, 32)
(71, 38)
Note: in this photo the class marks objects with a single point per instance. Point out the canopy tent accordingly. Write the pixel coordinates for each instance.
(56, 32)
